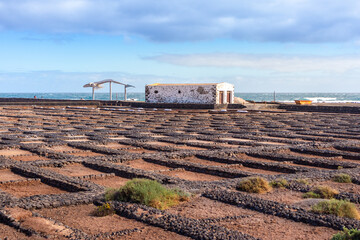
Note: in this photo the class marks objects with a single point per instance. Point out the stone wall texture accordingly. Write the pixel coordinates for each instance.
(185, 93)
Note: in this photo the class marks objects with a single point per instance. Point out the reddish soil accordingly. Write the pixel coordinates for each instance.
(139, 150)
(246, 157)
(236, 139)
(77, 140)
(29, 142)
(254, 223)
(184, 147)
(251, 170)
(14, 152)
(28, 158)
(74, 170)
(64, 148)
(161, 144)
(283, 151)
(154, 233)
(84, 221)
(281, 195)
(141, 164)
(8, 175)
(86, 154)
(118, 138)
(341, 187)
(11, 233)
(200, 141)
(191, 176)
(39, 224)
(194, 159)
(26, 189)
(114, 145)
(273, 143)
(110, 182)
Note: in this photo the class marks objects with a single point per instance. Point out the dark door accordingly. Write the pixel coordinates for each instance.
(229, 97)
(221, 97)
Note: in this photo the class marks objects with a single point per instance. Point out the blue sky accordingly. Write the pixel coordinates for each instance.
(260, 45)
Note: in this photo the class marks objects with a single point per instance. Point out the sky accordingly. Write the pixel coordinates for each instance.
(259, 45)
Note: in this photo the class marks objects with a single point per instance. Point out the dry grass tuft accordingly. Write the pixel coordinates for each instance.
(254, 185)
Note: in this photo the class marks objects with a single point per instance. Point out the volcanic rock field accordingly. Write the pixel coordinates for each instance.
(56, 163)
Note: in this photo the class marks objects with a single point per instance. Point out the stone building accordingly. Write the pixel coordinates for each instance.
(204, 93)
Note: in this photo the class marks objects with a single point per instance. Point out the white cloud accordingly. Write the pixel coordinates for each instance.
(174, 20)
(277, 63)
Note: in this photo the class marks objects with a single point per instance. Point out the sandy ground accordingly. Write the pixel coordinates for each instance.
(26, 189)
(110, 182)
(12, 234)
(28, 158)
(191, 176)
(8, 175)
(14, 152)
(64, 148)
(281, 195)
(341, 187)
(86, 154)
(84, 221)
(254, 223)
(74, 170)
(141, 164)
(252, 170)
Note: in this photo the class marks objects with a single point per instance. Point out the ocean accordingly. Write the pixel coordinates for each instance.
(258, 97)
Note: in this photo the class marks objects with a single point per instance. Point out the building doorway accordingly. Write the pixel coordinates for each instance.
(221, 97)
(229, 97)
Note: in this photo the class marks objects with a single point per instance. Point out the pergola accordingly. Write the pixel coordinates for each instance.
(99, 84)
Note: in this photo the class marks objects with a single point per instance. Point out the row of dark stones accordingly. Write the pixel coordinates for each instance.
(194, 228)
(200, 168)
(316, 162)
(281, 210)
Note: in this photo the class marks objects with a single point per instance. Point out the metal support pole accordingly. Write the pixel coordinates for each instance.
(110, 92)
(93, 93)
(124, 93)
(274, 97)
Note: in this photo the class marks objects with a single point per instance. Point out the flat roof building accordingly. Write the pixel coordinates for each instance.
(203, 93)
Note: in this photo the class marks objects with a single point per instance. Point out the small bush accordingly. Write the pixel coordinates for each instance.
(279, 183)
(339, 208)
(303, 181)
(254, 185)
(147, 192)
(321, 192)
(103, 210)
(347, 234)
(342, 178)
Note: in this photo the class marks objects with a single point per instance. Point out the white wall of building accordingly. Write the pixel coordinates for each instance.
(225, 88)
(186, 93)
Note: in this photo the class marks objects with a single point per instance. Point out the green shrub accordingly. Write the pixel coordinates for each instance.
(321, 192)
(147, 192)
(279, 183)
(339, 208)
(254, 185)
(342, 178)
(103, 210)
(347, 234)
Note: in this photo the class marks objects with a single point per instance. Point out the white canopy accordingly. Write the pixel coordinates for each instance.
(98, 84)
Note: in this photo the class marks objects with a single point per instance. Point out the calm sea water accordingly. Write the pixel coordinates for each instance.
(280, 97)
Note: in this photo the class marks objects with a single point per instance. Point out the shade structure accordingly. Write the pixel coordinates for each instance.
(94, 86)
(98, 84)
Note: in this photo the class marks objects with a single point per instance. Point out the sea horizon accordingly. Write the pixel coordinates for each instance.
(326, 97)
